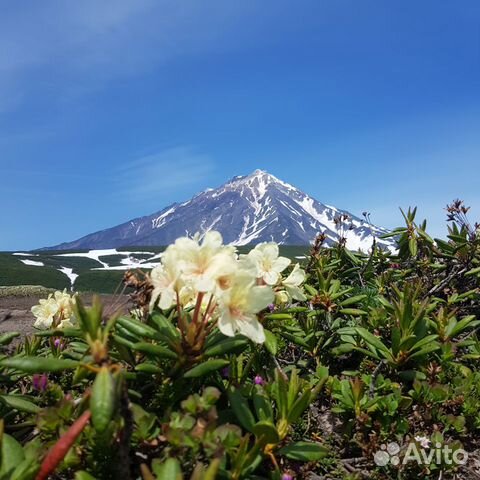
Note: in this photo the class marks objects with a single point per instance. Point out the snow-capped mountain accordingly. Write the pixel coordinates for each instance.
(246, 210)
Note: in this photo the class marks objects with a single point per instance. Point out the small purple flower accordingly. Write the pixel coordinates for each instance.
(40, 382)
(287, 476)
(271, 307)
(258, 380)
(57, 342)
(226, 372)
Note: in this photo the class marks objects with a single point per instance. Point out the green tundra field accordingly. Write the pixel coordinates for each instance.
(98, 271)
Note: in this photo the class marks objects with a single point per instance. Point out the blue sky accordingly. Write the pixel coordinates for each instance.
(112, 109)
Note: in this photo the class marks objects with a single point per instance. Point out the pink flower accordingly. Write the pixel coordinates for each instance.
(40, 382)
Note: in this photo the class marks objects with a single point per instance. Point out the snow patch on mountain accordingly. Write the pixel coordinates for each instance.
(69, 273)
(33, 263)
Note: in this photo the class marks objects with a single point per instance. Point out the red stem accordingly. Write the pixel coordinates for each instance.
(198, 305)
(60, 449)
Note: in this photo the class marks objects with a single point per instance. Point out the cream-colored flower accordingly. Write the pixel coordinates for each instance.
(66, 323)
(55, 311)
(165, 279)
(293, 281)
(65, 304)
(45, 313)
(269, 265)
(239, 305)
(281, 296)
(205, 263)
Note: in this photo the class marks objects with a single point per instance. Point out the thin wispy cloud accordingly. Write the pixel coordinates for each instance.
(73, 48)
(159, 175)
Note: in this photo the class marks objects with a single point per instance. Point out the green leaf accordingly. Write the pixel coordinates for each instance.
(278, 316)
(281, 393)
(444, 246)
(351, 300)
(352, 311)
(295, 339)
(429, 340)
(311, 290)
(425, 350)
(411, 375)
(89, 319)
(263, 407)
(148, 368)
(206, 367)
(425, 235)
(19, 403)
(369, 353)
(457, 238)
(102, 399)
(374, 341)
(271, 342)
(212, 471)
(169, 470)
(226, 345)
(12, 454)
(38, 364)
(63, 332)
(25, 469)
(342, 349)
(304, 451)
(156, 350)
(83, 476)
(8, 337)
(394, 233)
(299, 406)
(123, 341)
(412, 245)
(266, 431)
(241, 409)
(165, 328)
(138, 328)
(463, 324)
(296, 309)
(473, 271)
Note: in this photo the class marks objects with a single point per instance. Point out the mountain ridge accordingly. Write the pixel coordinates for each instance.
(246, 209)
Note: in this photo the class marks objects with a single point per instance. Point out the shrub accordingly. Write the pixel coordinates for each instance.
(244, 366)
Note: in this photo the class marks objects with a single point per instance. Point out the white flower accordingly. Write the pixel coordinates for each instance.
(54, 311)
(239, 305)
(45, 313)
(267, 262)
(65, 304)
(165, 279)
(293, 281)
(66, 322)
(423, 441)
(281, 296)
(207, 263)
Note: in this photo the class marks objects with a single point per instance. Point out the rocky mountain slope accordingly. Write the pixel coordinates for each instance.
(246, 210)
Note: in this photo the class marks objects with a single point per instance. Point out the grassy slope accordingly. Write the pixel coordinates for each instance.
(14, 272)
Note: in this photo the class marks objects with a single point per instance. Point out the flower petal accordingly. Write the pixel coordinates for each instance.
(227, 325)
(252, 329)
(259, 297)
(281, 263)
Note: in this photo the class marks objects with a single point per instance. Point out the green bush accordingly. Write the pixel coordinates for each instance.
(376, 348)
